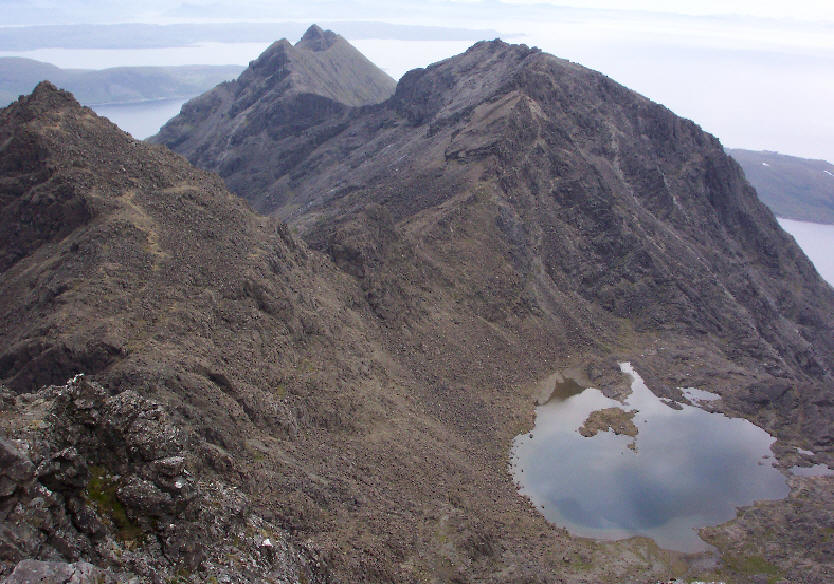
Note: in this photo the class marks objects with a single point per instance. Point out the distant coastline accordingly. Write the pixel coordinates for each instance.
(119, 85)
(800, 189)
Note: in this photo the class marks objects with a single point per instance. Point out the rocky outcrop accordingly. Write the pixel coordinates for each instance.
(103, 488)
(617, 420)
(40, 572)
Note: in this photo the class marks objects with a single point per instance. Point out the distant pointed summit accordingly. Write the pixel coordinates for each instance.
(288, 85)
(318, 39)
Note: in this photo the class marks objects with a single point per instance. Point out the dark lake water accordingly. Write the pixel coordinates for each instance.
(691, 468)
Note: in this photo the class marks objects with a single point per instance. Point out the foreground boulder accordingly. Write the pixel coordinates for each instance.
(102, 488)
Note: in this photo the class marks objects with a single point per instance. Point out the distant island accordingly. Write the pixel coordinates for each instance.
(118, 85)
(794, 188)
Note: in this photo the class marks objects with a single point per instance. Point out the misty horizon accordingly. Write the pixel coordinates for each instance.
(744, 72)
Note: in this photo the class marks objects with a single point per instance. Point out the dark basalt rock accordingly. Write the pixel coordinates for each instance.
(40, 572)
(115, 495)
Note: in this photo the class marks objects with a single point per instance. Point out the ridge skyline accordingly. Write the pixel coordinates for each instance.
(732, 75)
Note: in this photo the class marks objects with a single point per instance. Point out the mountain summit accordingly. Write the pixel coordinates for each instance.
(287, 86)
(318, 39)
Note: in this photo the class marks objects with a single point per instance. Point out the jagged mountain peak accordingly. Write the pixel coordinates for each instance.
(486, 69)
(315, 40)
(318, 39)
(46, 93)
(295, 84)
(44, 97)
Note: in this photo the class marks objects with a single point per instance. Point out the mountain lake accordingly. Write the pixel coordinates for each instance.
(685, 469)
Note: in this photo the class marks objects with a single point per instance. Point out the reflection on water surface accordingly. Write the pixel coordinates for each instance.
(691, 468)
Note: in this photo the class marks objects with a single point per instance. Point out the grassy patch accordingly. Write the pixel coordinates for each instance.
(751, 565)
(101, 491)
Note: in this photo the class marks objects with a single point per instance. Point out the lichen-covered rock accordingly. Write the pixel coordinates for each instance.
(16, 469)
(39, 572)
(104, 493)
(63, 471)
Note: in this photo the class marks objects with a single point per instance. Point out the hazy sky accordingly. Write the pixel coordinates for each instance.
(758, 74)
(34, 11)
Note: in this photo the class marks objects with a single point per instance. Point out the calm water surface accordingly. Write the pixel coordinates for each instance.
(692, 468)
(817, 241)
(142, 120)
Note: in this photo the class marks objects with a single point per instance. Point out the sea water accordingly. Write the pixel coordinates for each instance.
(817, 241)
(144, 119)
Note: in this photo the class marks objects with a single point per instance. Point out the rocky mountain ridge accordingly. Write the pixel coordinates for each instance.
(289, 85)
(554, 150)
(553, 215)
(502, 216)
(122, 262)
